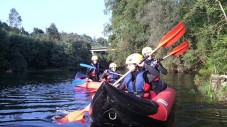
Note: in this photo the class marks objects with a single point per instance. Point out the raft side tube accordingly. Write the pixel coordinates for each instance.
(165, 100)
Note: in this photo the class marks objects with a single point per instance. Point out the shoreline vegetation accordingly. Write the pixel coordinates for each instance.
(133, 25)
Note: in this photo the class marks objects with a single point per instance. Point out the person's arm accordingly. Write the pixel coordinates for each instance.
(148, 77)
(162, 69)
(103, 76)
(151, 70)
(121, 86)
(88, 72)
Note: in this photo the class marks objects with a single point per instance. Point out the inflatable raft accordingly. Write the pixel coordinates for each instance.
(113, 106)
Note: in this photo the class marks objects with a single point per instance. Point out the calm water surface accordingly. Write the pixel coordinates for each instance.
(35, 99)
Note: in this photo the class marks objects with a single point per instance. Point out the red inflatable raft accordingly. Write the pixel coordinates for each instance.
(113, 106)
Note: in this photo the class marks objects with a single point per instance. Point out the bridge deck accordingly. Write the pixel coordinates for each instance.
(102, 49)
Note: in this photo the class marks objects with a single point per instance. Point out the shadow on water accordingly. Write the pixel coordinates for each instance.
(34, 99)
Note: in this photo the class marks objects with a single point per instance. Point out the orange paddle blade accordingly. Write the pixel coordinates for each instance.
(180, 48)
(73, 116)
(182, 51)
(173, 35)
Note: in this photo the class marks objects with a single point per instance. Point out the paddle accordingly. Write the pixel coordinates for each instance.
(170, 38)
(87, 66)
(178, 50)
(78, 82)
(175, 52)
(93, 67)
(80, 75)
(74, 116)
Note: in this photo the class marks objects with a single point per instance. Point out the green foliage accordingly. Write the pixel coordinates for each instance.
(136, 24)
(4, 49)
(52, 32)
(37, 31)
(207, 27)
(125, 28)
(79, 47)
(20, 51)
(102, 41)
(206, 90)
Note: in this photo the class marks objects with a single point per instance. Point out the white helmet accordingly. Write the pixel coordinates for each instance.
(134, 58)
(146, 50)
(112, 65)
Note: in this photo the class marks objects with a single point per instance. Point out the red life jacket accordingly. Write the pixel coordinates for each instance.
(93, 73)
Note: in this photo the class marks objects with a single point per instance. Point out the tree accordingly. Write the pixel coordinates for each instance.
(14, 18)
(79, 52)
(127, 33)
(37, 31)
(58, 56)
(102, 41)
(23, 31)
(4, 49)
(159, 17)
(52, 32)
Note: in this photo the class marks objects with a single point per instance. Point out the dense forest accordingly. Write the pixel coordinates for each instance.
(21, 51)
(139, 23)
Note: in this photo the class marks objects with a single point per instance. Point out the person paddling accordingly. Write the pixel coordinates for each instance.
(93, 73)
(110, 75)
(150, 63)
(138, 81)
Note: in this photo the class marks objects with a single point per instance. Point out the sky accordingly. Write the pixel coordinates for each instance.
(77, 16)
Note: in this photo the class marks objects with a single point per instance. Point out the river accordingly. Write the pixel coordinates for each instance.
(35, 99)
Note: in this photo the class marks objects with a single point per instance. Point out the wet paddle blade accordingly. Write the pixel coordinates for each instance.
(78, 82)
(73, 116)
(87, 66)
(77, 115)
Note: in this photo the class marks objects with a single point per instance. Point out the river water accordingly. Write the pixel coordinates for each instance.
(35, 99)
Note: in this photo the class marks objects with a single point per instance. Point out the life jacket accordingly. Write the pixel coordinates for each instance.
(95, 72)
(139, 86)
(111, 78)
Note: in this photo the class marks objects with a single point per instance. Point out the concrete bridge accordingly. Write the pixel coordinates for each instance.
(101, 49)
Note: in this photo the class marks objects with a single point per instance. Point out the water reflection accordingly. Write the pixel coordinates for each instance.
(34, 99)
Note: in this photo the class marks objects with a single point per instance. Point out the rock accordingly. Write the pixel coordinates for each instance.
(218, 80)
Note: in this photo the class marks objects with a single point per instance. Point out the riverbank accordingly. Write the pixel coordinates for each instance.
(215, 88)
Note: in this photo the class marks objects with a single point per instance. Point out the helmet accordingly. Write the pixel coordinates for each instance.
(134, 58)
(94, 58)
(112, 65)
(146, 50)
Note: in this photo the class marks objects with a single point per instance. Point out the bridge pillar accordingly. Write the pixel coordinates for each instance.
(92, 52)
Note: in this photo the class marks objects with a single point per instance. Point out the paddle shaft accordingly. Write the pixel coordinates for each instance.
(93, 67)
(123, 76)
